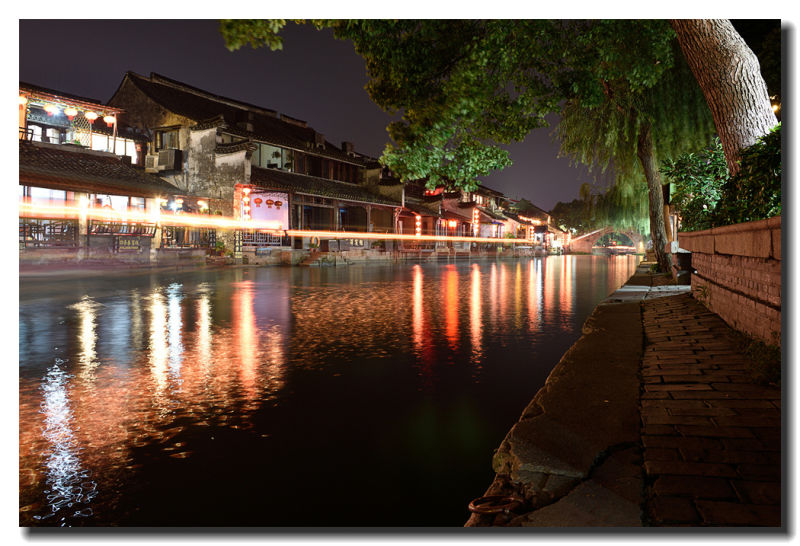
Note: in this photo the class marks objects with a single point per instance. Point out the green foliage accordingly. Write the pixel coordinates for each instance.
(698, 179)
(604, 136)
(575, 216)
(464, 87)
(707, 197)
(254, 32)
(755, 192)
(620, 207)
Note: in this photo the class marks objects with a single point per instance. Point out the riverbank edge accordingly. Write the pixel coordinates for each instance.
(574, 456)
(32, 270)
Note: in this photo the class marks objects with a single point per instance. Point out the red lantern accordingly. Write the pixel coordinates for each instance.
(278, 204)
(270, 202)
(258, 201)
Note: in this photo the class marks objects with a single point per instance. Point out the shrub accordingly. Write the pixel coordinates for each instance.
(755, 192)
(698, 180)
(706, 196)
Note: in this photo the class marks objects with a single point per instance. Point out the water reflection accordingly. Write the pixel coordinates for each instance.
(475, 319)
(451, 305)
(247, 342)
(418, 309)
(159, 350)
(87, 337)
(70, 489)
(152, 371)
(174, 329)
(203, 352)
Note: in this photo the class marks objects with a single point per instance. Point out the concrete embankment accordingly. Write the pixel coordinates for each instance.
(574, 456)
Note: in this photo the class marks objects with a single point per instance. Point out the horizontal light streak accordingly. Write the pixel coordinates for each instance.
(397, 236)
(587, 235)
(30, 210)
(617, 247)
(107, 215)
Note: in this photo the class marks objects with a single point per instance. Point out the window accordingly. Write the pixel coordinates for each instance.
(36, 133)
(99, 142)
(167, 139)
(137, 203)
(44, 196)
(271, 157)
(53, 135)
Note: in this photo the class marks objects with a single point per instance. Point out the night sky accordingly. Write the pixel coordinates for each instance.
(315, 78)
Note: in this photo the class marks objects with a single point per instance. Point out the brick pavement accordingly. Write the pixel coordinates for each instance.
(711, 437)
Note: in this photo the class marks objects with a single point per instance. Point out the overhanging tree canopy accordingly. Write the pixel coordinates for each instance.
(462, 88)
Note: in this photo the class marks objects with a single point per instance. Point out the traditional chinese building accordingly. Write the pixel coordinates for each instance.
(253, 162)
(76, 159)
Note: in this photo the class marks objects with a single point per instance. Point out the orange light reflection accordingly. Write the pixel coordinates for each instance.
(476, 326)
(451, 306)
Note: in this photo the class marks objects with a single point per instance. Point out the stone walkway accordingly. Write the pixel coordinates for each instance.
(679, 433)
(711, 438)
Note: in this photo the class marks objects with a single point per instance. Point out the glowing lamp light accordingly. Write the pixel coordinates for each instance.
(110, 120)
(775, 107)
(91, 116)
(51, 109)
(23, 100)
(418, 228)
(202, 204)
(70, 112)
(246, 191)
(452, 223)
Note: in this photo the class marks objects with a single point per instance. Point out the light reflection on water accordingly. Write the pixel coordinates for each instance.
(308, 364)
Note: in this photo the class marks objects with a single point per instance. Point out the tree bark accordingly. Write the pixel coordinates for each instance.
(647, 158)
(730, 77)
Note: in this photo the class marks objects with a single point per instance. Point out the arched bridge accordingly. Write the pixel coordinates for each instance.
(585, 242)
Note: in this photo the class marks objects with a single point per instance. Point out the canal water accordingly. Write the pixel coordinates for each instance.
(356, 396)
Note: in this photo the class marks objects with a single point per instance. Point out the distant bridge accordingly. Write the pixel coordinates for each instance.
(585, 242)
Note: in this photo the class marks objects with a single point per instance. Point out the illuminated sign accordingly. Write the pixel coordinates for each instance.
(273, 207)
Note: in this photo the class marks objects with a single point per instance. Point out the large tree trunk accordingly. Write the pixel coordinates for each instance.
(647, 157)
(730, 77)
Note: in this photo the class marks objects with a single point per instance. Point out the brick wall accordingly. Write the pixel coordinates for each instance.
(738, 275)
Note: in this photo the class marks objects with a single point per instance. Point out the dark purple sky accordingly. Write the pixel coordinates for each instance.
(315, 78)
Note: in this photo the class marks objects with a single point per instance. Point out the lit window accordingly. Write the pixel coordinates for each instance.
(167, 139)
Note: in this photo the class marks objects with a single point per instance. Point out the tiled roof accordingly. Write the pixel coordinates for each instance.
(202, 106)
(516, 218)
(312, 185)
(422, 210)
(488, 190)
(46, 91)
(69, 168)
(234, 147)
(491, 214)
